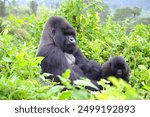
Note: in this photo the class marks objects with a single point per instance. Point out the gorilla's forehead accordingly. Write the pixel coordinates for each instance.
(119, 64)
(69, 31)
(67, 27)
(119, 61)
(55, 22)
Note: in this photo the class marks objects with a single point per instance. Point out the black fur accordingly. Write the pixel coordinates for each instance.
(92, 70)
(117, 67)
(58, 38)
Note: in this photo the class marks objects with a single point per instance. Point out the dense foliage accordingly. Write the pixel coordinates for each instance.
(19, 67)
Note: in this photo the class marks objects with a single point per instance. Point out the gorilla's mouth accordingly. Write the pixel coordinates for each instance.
(119, 72)
(71, 48)
(70, 44)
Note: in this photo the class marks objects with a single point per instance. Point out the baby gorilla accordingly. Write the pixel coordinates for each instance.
(92, 70)
(117, 67)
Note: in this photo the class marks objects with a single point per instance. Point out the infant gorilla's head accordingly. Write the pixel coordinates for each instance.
(117, 67)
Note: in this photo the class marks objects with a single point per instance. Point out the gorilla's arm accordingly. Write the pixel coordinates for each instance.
(106, 70)
(80, 58)
(56, 64)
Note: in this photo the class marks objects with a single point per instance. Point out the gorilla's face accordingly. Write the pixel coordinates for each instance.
(70, 41)
(118, 67)
(64, 37)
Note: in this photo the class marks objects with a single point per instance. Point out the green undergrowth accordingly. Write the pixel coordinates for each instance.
(20, 76)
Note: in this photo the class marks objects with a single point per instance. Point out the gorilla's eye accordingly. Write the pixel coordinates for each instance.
(119, 66)
(69, 32)
(123, 66)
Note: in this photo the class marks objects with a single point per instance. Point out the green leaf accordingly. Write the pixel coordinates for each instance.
(7, 59)
(85, 82)
(65, 95)
(55, 89)
(80, 94)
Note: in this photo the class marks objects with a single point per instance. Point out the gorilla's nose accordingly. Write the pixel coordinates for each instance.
(72, 40)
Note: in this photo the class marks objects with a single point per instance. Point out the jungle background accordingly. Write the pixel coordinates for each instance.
(104, 29)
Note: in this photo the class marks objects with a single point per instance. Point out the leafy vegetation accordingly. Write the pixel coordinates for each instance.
(20, 76)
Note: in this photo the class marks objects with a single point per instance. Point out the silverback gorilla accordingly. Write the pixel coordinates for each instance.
(59, 48)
